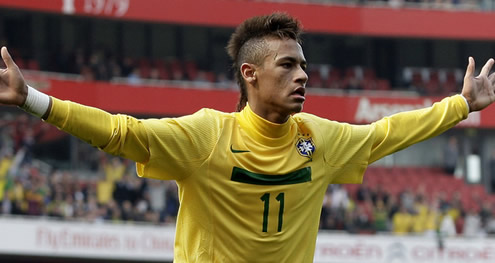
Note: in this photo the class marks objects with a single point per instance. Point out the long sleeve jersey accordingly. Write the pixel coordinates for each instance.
(251, 190)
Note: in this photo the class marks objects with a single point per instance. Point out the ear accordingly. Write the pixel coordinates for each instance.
(248, 72)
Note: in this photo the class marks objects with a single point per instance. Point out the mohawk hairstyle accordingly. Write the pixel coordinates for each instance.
(247, 44)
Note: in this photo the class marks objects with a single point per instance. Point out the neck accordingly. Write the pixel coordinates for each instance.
(264, 131)
(268, 114)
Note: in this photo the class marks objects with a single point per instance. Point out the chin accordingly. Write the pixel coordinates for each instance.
(297, 109)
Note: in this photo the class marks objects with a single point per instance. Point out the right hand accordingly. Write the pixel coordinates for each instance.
(479, 91)
(13, 89)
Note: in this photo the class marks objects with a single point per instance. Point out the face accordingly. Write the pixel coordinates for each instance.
(277, 87)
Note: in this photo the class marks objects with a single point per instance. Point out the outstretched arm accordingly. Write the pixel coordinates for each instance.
(404, 129)
(479, 91)
(116, 134)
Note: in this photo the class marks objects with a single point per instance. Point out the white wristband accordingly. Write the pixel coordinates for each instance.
(37, 102)
(467, 103)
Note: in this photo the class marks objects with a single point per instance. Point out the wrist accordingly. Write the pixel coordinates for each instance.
(36, 103)
(467, 103)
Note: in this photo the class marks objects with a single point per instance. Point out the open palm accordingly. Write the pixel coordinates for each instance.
(479, 91)
(13, 90)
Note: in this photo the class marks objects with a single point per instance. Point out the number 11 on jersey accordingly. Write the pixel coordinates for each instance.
(266, 201)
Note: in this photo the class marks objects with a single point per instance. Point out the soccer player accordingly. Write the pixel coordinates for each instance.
(251, 183)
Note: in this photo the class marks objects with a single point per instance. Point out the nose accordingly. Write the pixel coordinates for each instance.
(301, 76)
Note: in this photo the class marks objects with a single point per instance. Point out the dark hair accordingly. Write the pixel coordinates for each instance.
(247, 44)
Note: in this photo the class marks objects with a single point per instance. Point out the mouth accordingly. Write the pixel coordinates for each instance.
(299, 93)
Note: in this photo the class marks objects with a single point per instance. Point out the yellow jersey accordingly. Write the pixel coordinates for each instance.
(251, 190)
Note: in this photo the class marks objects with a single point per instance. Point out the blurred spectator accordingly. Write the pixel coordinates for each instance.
(339, 198)
(380, 217)
(490, 226)
(380, 194)
(97, 63)
(6, 159)
(450, 155)
(363, 192)
(128, 211)
(402, 221)
(327, 221)
(392, 207)
(16, 198)
(353, 83)
(36, 194)
(456, 210)
(114, 169)
(105, 191)
(122, 190)
(420, 215)
(171, 203)
(431, 220)
(407, 199)
(472, 224)
(447, 225)
(361, 219)
(134, 78)
(157, 194)
(492, 171)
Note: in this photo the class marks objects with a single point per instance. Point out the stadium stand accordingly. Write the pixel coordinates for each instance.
(81, 184)
(101, 65)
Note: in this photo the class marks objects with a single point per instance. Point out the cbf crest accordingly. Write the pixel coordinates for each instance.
(306, 147)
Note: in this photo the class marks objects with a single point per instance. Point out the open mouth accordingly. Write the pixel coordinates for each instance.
(299, 92)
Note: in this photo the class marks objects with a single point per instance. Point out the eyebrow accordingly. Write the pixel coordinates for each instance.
(292, 59)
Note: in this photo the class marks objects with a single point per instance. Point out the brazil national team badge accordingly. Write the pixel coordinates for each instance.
(306, 147)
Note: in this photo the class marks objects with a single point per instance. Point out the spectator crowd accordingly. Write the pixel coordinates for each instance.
(109, 190)
(373, 210)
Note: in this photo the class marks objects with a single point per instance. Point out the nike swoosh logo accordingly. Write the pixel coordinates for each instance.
(237, 151)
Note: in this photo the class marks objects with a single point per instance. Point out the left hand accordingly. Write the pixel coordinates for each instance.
(479, 91)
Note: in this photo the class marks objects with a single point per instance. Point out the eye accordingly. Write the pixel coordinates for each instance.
(286, 65)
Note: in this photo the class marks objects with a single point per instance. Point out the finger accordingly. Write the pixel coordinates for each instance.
(491, 78)
(487, 67)
(7, 59)
(3, 72)
(492, 96)
(470, 68)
